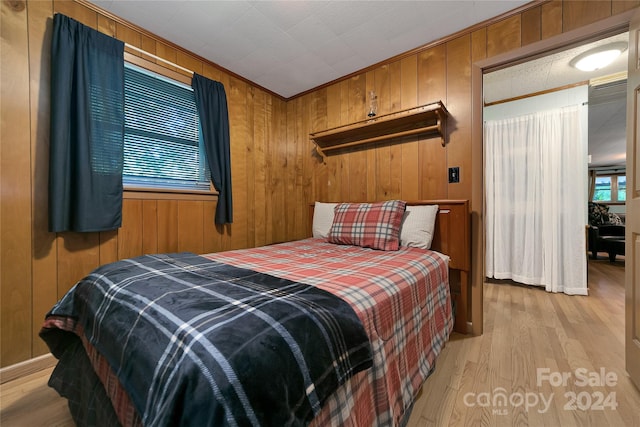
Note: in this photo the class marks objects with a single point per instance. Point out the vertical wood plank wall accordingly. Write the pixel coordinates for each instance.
(37, 267)
(275, 170)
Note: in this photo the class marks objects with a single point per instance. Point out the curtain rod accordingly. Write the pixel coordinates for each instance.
(137, 49)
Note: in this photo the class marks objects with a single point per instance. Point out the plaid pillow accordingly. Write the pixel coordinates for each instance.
(369, 225)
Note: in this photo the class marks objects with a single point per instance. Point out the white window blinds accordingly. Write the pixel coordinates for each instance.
(162, 145)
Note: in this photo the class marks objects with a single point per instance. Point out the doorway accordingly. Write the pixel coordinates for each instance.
(603, 28)
(516, 93)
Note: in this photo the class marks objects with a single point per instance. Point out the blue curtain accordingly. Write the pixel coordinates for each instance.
(211, 101)
(87, 128)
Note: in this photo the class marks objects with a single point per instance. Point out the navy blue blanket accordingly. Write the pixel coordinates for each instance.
(196, 342)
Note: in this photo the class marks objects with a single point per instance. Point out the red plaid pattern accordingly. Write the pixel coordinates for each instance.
(401, 297)
(369, 225)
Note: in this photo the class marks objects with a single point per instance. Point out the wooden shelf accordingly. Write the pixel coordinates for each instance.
(429, 119)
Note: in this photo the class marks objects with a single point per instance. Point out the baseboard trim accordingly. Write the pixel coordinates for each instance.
(12, 372)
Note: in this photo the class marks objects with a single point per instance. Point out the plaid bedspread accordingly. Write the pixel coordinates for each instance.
(403, 300)
(198, 342)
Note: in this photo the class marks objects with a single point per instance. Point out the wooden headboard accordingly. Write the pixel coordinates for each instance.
(452, 237)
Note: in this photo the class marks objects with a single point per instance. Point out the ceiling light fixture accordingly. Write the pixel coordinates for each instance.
(598, 57)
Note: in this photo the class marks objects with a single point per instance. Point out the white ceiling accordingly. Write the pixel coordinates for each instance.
(607, 102)
(290, 47)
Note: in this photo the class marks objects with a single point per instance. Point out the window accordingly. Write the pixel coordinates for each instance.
(163, 146)
(610, 188)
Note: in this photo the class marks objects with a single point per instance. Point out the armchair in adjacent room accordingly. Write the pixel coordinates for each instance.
(606, 231)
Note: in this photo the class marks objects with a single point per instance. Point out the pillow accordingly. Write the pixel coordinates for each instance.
(322, 218)
(418, 225)
(615, 219)
(598, 213)
(369, 225)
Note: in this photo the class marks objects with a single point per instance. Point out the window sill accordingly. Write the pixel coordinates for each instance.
(609, 203)
(159, 194)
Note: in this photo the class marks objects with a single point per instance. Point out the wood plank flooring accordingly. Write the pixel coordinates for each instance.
(528, 332)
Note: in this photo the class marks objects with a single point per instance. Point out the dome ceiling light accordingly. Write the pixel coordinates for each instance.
(598, 57)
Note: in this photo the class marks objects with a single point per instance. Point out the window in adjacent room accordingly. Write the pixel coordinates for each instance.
(163, 146)
(610, 188)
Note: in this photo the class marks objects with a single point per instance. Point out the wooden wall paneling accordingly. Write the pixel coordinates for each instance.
(478, 45)
(300, 130)
(191, 226)
(379, 161)
(576, 14)
(476, 204)
(169, 53)
(433, 166)
(289, 173)
(251, 163)
(459, 106)
(531, 25)
(131, 37)
(504, 35)
(395, 152)
(381, 85)
(78, 255)
(551, 19)
(148, 44)
(149, 226)
(237, 104)
(343, 165)
(619, 6)
(358, 176)
(167, 226)
(106, 25)
(269, 162)
(15, 164)
(395, 85)
(357, 159)
(374, 183)
(130, 234)
(211, 72)
(409, 150)
(108, 250)
(311, 164)
(304, 164)
(278, 185)
(258, 227)
(320, 170)
(76, 11)
(356, 101)
(432, 77)
(135, 38)
(334, 178)
(44, 262)
(293, 166)
(459, 150)
(211, 235)
(188, 62)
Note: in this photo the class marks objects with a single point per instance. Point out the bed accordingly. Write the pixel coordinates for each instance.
(377, 320)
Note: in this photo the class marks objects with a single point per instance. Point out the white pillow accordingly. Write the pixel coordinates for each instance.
(418, 225)
(322, 218)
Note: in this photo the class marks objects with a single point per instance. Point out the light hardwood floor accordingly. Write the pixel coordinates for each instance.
(526, 330)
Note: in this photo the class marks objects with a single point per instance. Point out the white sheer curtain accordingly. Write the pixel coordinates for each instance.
(535, 200)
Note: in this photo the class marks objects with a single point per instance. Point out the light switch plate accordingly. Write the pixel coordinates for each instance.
(454, 175)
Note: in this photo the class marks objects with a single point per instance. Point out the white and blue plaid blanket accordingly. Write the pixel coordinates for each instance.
(196, 342)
